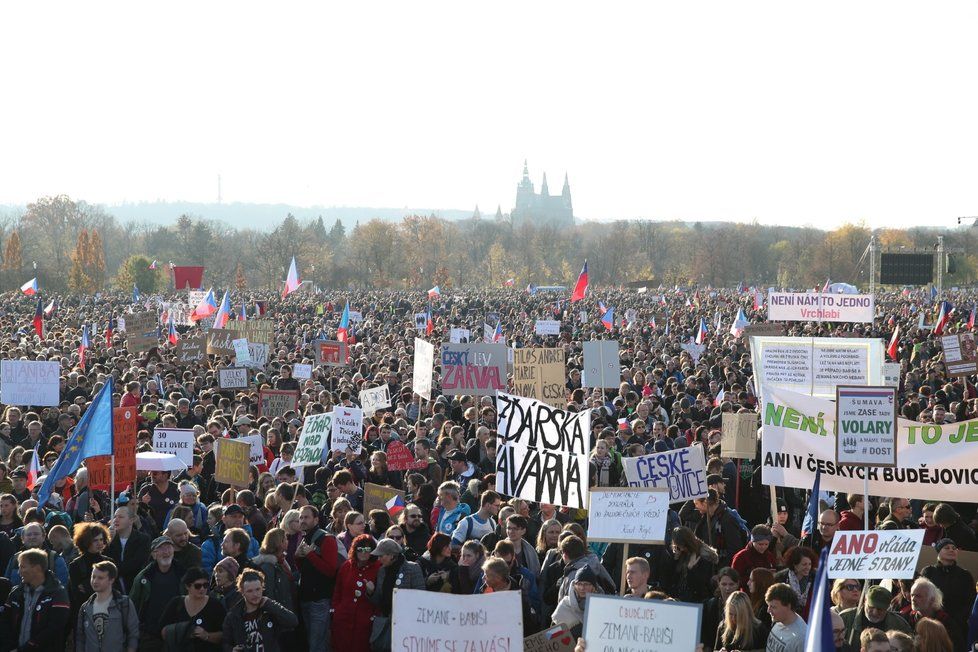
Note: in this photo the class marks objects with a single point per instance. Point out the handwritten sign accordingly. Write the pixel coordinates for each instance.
(739, 435)
(866, 422)
(682, 472)
(375, 399)
(875, 554)
(347, 429)
(124, 429)
(429, 620)
(473, 369)
(424, 361)
(30, 382)
(142, 331)
(178, 441)
(375, 496)
(232, 378)
(960, 354)
(547, 327)
(634, 515)
(313, 439)
(193, 349)
(539, 373)
(616, 623)
(891, 374)
(253, 330)
(554, 639)
(459, 335)
(302, 371)
(276, 402)
(233, 462)
(400, 458)
(256, 454)
(241, 353)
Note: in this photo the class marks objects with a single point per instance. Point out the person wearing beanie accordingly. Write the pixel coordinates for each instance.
(955, 583)
(756, 554)
(875, 612)
(570, 609)
(225, 581)
(954, 528)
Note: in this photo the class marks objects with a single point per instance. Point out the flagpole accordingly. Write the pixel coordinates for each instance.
(112, 483)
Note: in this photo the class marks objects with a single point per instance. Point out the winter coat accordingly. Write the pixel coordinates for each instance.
(119, 632)
(273, 621)
(211, 553)
(748, 559)
(352, 606)
(280, 585)
(49, 622)
(135, 559)
(692, 584)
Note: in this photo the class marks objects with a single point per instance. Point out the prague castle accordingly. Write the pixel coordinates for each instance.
(533, 208)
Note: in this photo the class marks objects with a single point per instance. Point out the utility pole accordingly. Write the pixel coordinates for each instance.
(219, 189)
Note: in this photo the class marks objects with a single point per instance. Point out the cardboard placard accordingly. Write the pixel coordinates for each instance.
(253, 330)
(682, 471)
(302, 371)
(547, 327)
(233, 463)
(642, 625)
(760, 330)
(400, 458)
(540, 373)
(375, 496)
(554, 639)
(232, 378)
(960, 354)
(256, 453)
(347, 430)
(276, 402)
(375, 399)
(242, 355)
(125, 427)
(431, 621)
(627, 515)
(473, 369)
(739, 438)
(602, 366)
(142, 331)
(193, 349)
(875, 554)
(424, 362)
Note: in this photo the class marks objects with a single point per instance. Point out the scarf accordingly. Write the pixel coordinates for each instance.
(390, 576)
(603, 464)
(800, 587)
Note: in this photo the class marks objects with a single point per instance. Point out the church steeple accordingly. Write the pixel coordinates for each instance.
(525, 183)
(566, 191)
(476, 215)
(544, 191)
(499, 212)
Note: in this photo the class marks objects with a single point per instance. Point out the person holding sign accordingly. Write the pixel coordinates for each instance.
(395, 572)
(570, 609)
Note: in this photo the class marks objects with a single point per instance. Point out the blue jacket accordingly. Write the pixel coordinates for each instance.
(59, 567)
(211, 553)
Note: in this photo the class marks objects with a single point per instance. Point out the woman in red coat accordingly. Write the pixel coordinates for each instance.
(353, 611)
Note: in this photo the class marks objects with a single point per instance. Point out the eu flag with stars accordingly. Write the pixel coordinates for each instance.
(91, 437)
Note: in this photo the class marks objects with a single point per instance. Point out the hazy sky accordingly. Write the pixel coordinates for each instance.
(787, 112)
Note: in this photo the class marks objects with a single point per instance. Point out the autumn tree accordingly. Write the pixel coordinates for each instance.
(13, 260)
(135, 271)
(78, 278)
(240, 281)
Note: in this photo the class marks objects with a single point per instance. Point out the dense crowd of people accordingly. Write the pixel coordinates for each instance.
(293, 561)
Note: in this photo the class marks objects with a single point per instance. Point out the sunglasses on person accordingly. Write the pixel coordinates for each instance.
(200, 585)
(851, 587)
(365, 549)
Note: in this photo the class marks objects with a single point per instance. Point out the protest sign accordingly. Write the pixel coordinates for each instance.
(542, 452)
(242, 355)
(867, 420)
(694, 350)
(124, 428)
(540, 374)
(459, 335)
(875, 554)
(554, 639)
(375, 496)
(194, 297)
(681, 471)
(220, 341)
(755, 330)
(488, 333)
(891, 374)
(178, 441)
(142, 331)
(960, 354)
(473, 369)
(356, 316)
(313, 439)
(375, 399)
(180, 312)
(627, 515)
(347, 430)
(302, 371)
(258, 354)
(820, 306)
(620, 624)
(935, 461)
(424, 362)
(276, 402)
(430, 621)
(400, 458)
(232, 378)
(816, 365)
(30, 382)
(253, 330)
(233, 461)
(602, 367)
(192, 349)
(256, 454)
(739, 435)
(547, 327)
(421, 321)
(331, 353)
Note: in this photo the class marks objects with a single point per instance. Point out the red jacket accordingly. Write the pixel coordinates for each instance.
(748, 559)
(850, 521)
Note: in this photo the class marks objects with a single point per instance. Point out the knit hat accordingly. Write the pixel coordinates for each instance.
(946, 541)
(585, 574)
(878, 597)
(229, 565)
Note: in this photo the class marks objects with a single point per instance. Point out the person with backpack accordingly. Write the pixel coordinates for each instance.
(31, 538)
(451, 509)
(477, 525)
(318, 559)
(107, 620)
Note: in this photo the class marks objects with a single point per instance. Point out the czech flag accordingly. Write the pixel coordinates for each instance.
(510, 282)
(497, 335)
(758, 300)
(825, 288)
(971, 319)
(580, 289)
(608, 319)
(244, 313)
(943, 318)
(701, 333)
(30, 287)
(434, 292)
(152, 265)
(740, 323)
(602, 308)
(819, 636)
(652, 323)
(83, 346)
(531, 289)
(429, 326)
(34, 470)
(171, 332)
(223, 313)
(292, 280)
(891, 350)
(343, 330)
(49, 309)
(108, 331)
(206, 308)
(395, 505)
(39, 320)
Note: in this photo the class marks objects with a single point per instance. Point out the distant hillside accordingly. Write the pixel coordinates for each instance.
(257, 216)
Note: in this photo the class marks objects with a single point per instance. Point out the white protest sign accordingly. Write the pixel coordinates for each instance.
(356, 316)
(374, 399)
(30, 382)
(347, 429)
(891, 374)
(258, 354)
(459, 335)
(820, 306)
(257, 454)
(542, 452)
(602, 367)
(547, 327)
(633, 515)
(867, 420)
(442, 622)
(936, 461)
(302, 371)
(694, 350)
(178, 441)
(424, 362)
(421, 321)
(313, 439)
(815, 365)
(241, 352)
(875, 554)
(232, 378)
(620, 624)
(681, 471)
(631, 315)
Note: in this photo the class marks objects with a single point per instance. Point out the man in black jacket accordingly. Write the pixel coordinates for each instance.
(41, 595)
(129, 547)
(956, 583)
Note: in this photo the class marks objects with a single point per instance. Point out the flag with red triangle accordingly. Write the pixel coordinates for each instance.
(39, 319)
(580, 288)
(891, 350)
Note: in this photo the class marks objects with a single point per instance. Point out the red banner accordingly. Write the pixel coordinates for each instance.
(399, 458)
(125, 426)
(185, 277)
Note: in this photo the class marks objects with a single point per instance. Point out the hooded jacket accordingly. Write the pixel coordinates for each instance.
(119, 632)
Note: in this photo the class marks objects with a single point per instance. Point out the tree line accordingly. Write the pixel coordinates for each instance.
(77, 247)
